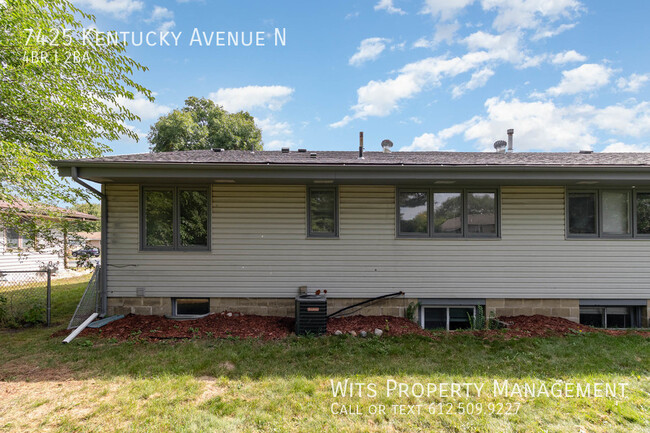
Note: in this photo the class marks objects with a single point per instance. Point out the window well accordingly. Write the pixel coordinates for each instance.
(191, 306)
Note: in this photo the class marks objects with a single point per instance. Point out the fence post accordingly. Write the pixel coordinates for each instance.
(49, 295)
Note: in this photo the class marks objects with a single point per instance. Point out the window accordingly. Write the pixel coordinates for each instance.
(608, 213)
(447, 213)
(175, 218)
(449, 318)
(322, 213)
(610, 317)
(190, 306)
(12, 238)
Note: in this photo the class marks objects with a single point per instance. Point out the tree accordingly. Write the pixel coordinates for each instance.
(60, 90)
(201, 124)
(91, 209)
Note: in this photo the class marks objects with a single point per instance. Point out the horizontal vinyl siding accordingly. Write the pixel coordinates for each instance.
(260, 248)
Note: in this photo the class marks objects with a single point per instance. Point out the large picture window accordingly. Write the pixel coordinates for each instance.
(322, 213)
(608, 213)
(175, 218)
(447, 213)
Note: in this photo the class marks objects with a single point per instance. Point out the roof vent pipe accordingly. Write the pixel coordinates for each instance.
(500, 146)
(510, 134)
(361, 145)
(386, 145)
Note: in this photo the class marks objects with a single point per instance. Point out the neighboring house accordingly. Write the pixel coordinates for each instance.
(21, 253)
(92, 239)
(562, 234)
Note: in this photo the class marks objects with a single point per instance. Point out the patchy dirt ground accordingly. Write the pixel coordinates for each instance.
(235, 325)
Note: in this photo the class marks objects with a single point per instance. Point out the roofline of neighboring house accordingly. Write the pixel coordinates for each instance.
(24, 209)
(141, 172)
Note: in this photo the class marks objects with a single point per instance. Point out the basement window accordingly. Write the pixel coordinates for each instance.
(190, 306)
(610, 317)
(447, 318)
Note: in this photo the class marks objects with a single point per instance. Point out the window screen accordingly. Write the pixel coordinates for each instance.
(582, 213)
(322, 212)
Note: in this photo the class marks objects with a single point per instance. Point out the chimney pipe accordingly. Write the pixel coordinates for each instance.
(510, 134)
(361, 145)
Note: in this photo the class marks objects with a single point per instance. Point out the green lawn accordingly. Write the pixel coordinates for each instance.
(238, 385)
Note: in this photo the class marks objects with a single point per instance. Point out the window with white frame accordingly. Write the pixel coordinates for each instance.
(447, 317)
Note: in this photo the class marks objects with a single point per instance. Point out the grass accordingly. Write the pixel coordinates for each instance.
(254, 386)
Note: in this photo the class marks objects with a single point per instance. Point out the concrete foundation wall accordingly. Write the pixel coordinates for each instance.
(566, 308)
(260, 306)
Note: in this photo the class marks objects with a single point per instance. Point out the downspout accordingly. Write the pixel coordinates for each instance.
(104, 239)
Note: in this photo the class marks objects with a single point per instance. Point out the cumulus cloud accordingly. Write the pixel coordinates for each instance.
(568, 57)
(444, 9)
(368, 50)
(619, 147)
(246, 98)
(585, 78)
(633, 83)
(278, 144)
(143, 108)
(117, 8)
(479, 79)
(530, 14)
(163, 17)
(445, 32)
(272, 128)
(387, 5)
(545, 126)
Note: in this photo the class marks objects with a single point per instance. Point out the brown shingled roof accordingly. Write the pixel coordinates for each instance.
(375, 158)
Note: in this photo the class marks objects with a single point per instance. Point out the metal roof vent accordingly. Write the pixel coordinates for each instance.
(302, 150)
(386, 145)
(285, 150)
(500, 146)
(313, 155)
(586, 152)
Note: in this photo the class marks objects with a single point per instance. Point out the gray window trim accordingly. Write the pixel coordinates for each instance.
(176, 218)
(316, 235)
(613, 302)
(635, 215)
(464, 191)
(632, 214)
(397, 214)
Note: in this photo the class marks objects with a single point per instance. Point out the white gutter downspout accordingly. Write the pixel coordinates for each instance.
(104, 239)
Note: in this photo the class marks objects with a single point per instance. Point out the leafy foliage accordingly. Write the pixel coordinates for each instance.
(201, 124)
(91, 209)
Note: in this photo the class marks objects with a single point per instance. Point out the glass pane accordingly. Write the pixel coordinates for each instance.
(582, 213)
(435, 318)
(192, 306)
(643, 213)
(447, 212)
(618, 317)
(194, 218)
(413, 212)
(159, 218)
(482, 213)
(12, 238)
(616, 212)
(592, 316)
(322, 208)
(459, 318)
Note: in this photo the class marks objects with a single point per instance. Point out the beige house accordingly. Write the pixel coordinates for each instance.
(562, 234)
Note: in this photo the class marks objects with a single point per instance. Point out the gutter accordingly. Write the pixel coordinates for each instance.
(104, 239)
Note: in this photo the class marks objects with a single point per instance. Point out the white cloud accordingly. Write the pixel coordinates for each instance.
(368, 50)
(585, 78)
(246, 98)
(387, 5)
(278, 144)
(568, 57)
(479, 79)
(546, 32)
(143, 108)
(352, 15)
(529, 14)
(272, 128)
(444, 9)
(117, 8)
(619, 147)
(633, 83)
(543, 125)
(163, 17)
(445, 32)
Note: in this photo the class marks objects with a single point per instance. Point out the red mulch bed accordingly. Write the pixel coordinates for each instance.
(236, 325)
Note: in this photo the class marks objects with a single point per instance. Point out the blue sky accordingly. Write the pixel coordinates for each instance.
(427, 74)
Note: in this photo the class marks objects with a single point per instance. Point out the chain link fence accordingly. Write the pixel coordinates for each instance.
(90, 301)
(25, 298)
